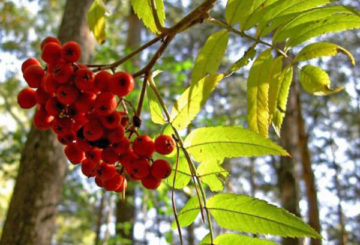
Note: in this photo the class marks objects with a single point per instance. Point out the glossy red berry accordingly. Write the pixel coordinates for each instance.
(139, 169)
(105, 104)
(164, 144)
(85, 102)
(112, 121)
(122, 187)
(98, 181)
(83, 145)
(144, 146)
(106, 171)
(71, 51)
(84, 80)
(33, 76)
(26, 98)
(94, 154)
(63, 72)
(109, 156)
(42, 120)
(150, 182)
(74, 154)
(66, 139)
(49, 40)
(102, 81)
(160, 169)
(122, 83)
(29, 62)
(67, 94)
(93, 130)
(113, 183)
(88, 167)
(51, 53)
(49, 83)
(42, 96)
(121, 146)
(53, 106)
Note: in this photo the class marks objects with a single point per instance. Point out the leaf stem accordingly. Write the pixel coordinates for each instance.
(156, 18)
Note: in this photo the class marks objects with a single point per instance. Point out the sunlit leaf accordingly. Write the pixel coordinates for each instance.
(247, 214)
(212, 174)
(188, 213)
(217, 143)
(142, 8)
(316, 81)
(232, 238)
(192, 99)
(243, 61)
(96, 20)
(320, 49)
(210, 55)
(155, 107)
(183, 175)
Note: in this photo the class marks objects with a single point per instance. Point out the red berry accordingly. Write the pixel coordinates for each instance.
(128, 158)
(74, 154)
(94, 154)
(53, 106)
(122, 83)
(71, 51)
(85, 102)
(49, 40)
(51, 52)
(49, 83)
(109, 156)
(102, 81)
(84, 80)
(42, 120)
(105, 104)
(66, 138)
(29, 62)
(106, 171)
(93, 130)
(139, 169)
(144, 146)
(41, 96)
(26, 98)
(83, 145)
(33, 76)
(164, 144)
(113, 183)
(63, 72)
(150, 182)
(98, 181)
(122, 187)
(116, 135)
(122, 146)
(88, 167)
(61, 125)
(67, 94)
(160, 169)
(112, 121)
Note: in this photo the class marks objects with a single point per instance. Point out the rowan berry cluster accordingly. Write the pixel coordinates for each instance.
(81, 107)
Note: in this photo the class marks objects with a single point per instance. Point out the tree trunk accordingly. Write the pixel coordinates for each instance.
(287, 180)
(125, 210)
(31, 214)
(308, 175)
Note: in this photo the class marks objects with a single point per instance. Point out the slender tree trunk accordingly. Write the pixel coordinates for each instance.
(287, 179)
(308, 175)
(125, 211)
(31, 216)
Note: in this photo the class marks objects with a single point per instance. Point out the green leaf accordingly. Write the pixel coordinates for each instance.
(192, 99)
(217, 143)
(212, 174)
(274, 85)
(243, 61)
(96, 20)
(210, 55)
(155, 107)
(188, 213)
(315, 80)
(142, 8)
(315, 23)
(232, 238)
(282, 97)
(238, 10)
(257, 6)
(183, 175)
(247, 214)
(319, 49)
(262, 73)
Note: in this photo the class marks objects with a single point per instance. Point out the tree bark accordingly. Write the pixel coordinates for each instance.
(31, 215)
(125, 210)
(307, 175)
(287, 179)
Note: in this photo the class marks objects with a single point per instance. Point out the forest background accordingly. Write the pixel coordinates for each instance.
(87, 215)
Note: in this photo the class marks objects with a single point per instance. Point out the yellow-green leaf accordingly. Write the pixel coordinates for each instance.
(320, 49)
(282, 97)
(188, 213)
(217, 143)
(192, 99)
(96, 20)
(238, 10)
(232, 238)
(183, 175)
(155, 107)
(243, 61)
(142, 8)
(210, 55)
(264, 70)
(316, 81)
(274, 85)
(212, 174)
